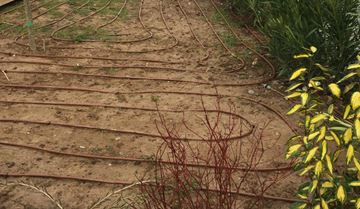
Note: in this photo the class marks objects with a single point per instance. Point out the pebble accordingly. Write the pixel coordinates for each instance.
(251, 92)
(254, 62)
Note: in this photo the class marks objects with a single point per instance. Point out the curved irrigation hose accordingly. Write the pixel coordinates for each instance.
(117, 130)
(207, 55)
(22, 5)
(64, 16)
(242, 62)
(107, 76)
(267, 61)
(91, 58)
(146, 67)
(166, 25)
(37, 16)
(139, 160)
(51, 23)
(82, 179)
(11, 10)
(115, 17)
(119, 107)
(98, 66)
(48, 10)
(150, 35)
(116, 49)
(52, 35)
(258, 39)
(41, 87)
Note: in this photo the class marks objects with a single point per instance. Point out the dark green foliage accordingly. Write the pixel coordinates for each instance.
(333, 26)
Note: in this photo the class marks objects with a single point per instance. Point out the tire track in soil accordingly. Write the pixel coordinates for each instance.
(183, 55)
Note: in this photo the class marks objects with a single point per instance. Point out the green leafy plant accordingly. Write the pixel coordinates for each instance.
(327, 151)
(332, 25)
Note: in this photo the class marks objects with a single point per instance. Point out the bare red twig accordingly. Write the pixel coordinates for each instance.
(178, 185)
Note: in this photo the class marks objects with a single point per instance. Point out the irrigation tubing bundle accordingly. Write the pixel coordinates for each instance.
(168, 47)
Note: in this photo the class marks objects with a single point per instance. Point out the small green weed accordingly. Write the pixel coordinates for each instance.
(80, 34)
(110, 70)
(155, 99)
(229, 39)
(76, 68)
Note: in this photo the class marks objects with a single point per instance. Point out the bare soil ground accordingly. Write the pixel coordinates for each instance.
(150, 40)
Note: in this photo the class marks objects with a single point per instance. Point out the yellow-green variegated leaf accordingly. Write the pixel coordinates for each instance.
(315, 85)
(337, 153)
(292, 150)
(307, 169)
(349, 87)
(318, 78)
(329, 164)
(347, 135)
(347, 111)
(318, 118)
(340, 194)
(302, 196)
(355, 100)
(357, 128)
(302, 206)
(304, 98)
(327, 184)
(355, 184)
(335, 90)
(346, 77)
(313, 135)
(294, 109)
(311, 154)
(305, 140)
(313, 107)
(314, 185)
(330, 109)
(293, 95)
(349, 153)
(307, 121)
(357, 204)
(322, 67)
(322, 191)
(317, 206)
(324, 204)
(353, 66)
(318, 168)
(294, 86)
(324, 149)
(329, 138)
(294, 139)
(302, 56)
(336, 138)
(322, 133)
(297, 73)
(313, 49)
(357, 164)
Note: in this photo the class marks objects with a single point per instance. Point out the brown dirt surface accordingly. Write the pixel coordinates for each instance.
(150, 40)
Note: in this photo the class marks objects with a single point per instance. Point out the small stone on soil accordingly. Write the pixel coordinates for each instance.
(251, 92)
